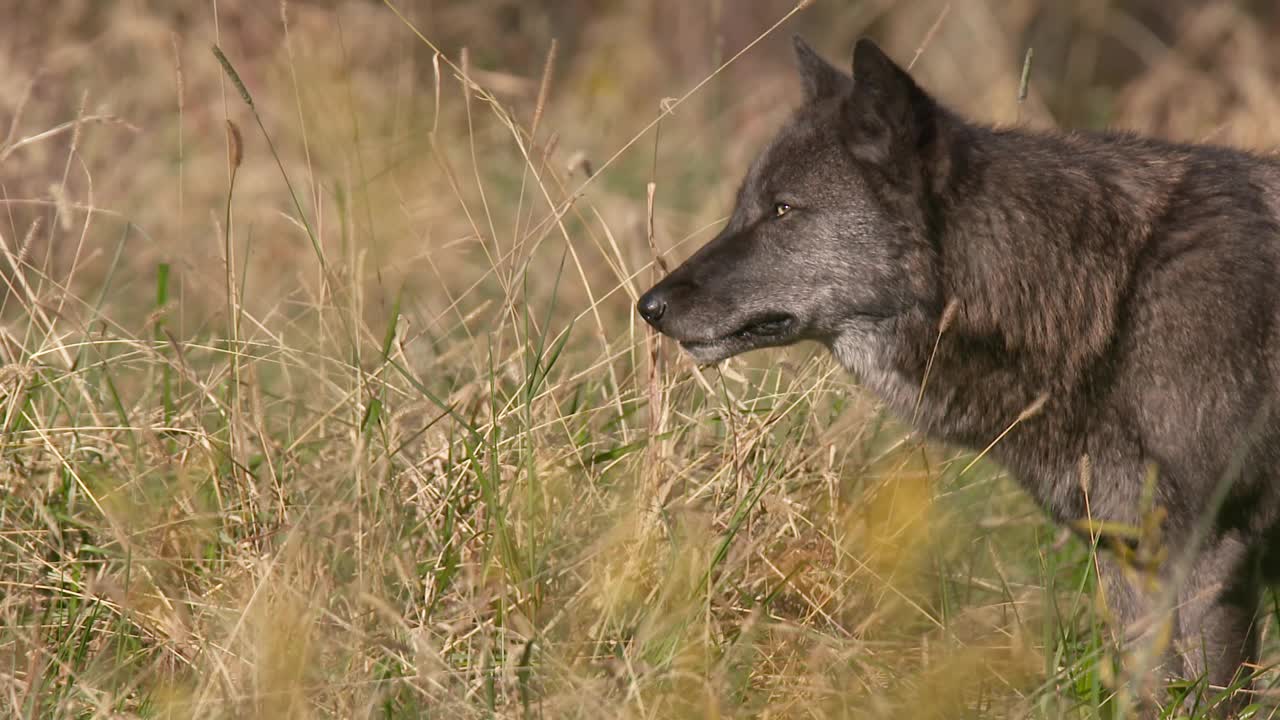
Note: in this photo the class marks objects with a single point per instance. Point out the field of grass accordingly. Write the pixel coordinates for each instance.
(322, 395)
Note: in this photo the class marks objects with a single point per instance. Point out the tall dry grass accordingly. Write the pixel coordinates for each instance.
(332, 402)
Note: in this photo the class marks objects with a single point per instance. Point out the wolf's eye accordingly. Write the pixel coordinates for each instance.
(780, 209)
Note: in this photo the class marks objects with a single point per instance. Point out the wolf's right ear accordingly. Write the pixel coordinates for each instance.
(821, 79)
(891, 116)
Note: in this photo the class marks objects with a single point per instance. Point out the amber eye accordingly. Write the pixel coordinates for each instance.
(781, 209)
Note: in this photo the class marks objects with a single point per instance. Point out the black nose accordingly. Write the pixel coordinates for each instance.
(652, 306)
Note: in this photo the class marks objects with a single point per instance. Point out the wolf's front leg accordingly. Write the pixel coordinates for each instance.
(1197, 626)
(1142, 632)
(1217, 616)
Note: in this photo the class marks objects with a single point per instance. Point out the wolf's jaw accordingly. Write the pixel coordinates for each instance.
(710, 352)
(768, 330)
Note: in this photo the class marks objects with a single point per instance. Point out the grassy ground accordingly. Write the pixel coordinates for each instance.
(322, 394)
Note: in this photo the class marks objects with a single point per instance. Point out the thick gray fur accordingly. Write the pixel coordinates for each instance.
(1119, 293)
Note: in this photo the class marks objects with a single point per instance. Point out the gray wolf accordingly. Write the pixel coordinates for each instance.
(1116, 296)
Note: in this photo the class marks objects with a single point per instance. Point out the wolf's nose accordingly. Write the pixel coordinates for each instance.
(652, 306)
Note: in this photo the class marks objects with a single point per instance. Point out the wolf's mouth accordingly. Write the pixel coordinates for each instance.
(771, 325)
(769, 329)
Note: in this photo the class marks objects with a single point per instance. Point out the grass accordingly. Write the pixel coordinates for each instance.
(322, 397)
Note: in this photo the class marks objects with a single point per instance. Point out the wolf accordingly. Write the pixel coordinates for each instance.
(1071, 300)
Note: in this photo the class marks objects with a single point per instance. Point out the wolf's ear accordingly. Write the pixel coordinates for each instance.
(821, 78)
(875, 70)
(889, 112)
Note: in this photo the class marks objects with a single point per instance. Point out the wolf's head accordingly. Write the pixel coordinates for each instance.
(831, 236)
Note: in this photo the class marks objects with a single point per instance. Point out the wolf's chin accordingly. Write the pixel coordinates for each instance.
(712, 352)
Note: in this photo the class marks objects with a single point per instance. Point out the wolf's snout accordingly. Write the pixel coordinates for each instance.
(652, 306)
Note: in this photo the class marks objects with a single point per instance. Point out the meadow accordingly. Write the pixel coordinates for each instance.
(323, 395)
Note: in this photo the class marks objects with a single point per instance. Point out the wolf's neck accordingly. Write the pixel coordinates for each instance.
(1037, 238)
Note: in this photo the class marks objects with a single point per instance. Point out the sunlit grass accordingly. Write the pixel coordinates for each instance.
(359, 422)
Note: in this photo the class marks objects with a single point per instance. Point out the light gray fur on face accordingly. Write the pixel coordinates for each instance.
(862, 348)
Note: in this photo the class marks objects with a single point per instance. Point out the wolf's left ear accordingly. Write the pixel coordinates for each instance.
(889, 111)
(821, 79)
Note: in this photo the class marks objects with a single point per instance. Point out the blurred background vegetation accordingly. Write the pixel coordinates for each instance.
(344, 412)
(1177, 68)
